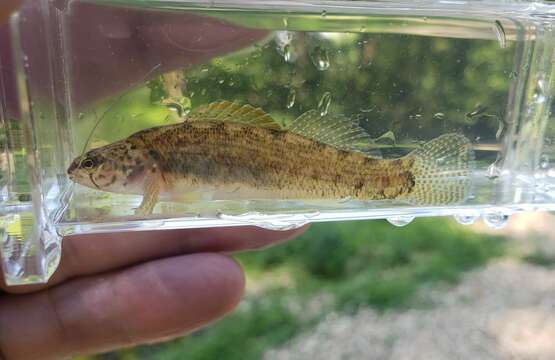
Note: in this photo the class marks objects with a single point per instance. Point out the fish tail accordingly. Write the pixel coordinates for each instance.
(442, 170)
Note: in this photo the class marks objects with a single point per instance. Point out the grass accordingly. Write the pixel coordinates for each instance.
(540, 259)
(355, 264)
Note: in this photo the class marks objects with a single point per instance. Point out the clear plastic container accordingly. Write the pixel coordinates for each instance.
(78, 75)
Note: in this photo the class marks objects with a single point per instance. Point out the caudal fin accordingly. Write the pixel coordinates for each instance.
(442, 171)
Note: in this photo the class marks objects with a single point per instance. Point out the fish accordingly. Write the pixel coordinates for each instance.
(225, 150)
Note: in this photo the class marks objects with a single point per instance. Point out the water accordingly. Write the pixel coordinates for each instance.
(406, 76)
(425, 77)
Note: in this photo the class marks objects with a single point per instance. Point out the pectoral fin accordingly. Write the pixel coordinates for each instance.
(150, 197)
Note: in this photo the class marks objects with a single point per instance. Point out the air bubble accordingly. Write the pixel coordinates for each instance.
(439, 116)
(401, 220)
(320, 59)
(466, 217)
(291, 98)
(324, 104)
(544, 161)
(500, 34)
(495, 219)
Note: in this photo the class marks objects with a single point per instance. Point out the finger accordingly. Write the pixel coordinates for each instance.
(97, 253)
(149, 302)
(116, 48)
(7, 8)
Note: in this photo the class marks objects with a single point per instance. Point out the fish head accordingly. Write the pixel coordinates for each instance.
(117, 167)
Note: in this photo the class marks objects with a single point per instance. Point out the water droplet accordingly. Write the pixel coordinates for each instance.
(401, 220)
(478, 111)
(291, 98)
(320, 59)
(288, 55)
(544, 161)
(500, 34)
(387, 139)
(270, 222)
(496, 219)
(324, 104)
(466, 217)
(539, 92)
(500, 129)
(282, 225)
(181, 106)
(493, 171)
(284, 37)
(324, 13)
(439, 116)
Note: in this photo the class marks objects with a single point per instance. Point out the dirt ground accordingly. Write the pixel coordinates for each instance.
(503, 311)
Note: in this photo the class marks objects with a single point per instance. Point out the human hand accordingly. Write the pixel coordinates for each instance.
(114, 290)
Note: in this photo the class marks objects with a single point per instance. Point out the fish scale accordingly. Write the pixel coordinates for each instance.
(225, 150)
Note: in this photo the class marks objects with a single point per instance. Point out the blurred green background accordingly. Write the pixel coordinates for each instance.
(332, 267)
(418, 88)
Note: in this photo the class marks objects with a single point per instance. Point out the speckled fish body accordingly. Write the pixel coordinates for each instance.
(227, 151)
(235, 160)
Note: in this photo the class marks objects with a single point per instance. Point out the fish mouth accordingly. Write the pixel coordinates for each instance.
(72, 168)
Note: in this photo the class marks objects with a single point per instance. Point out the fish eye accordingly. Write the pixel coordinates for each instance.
(88, 163)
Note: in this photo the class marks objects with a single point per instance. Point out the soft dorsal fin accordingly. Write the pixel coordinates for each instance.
(336, 130)
(233, 112)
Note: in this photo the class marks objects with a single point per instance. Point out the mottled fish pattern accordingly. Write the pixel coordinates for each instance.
(228, 151)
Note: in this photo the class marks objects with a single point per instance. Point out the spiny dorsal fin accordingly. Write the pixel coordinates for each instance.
(336, 130)
(233, 112)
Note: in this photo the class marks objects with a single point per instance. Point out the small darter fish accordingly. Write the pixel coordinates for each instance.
(227, 151)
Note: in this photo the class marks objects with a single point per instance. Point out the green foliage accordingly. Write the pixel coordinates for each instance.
(541, 259)
(360, 263)
(372, 263)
